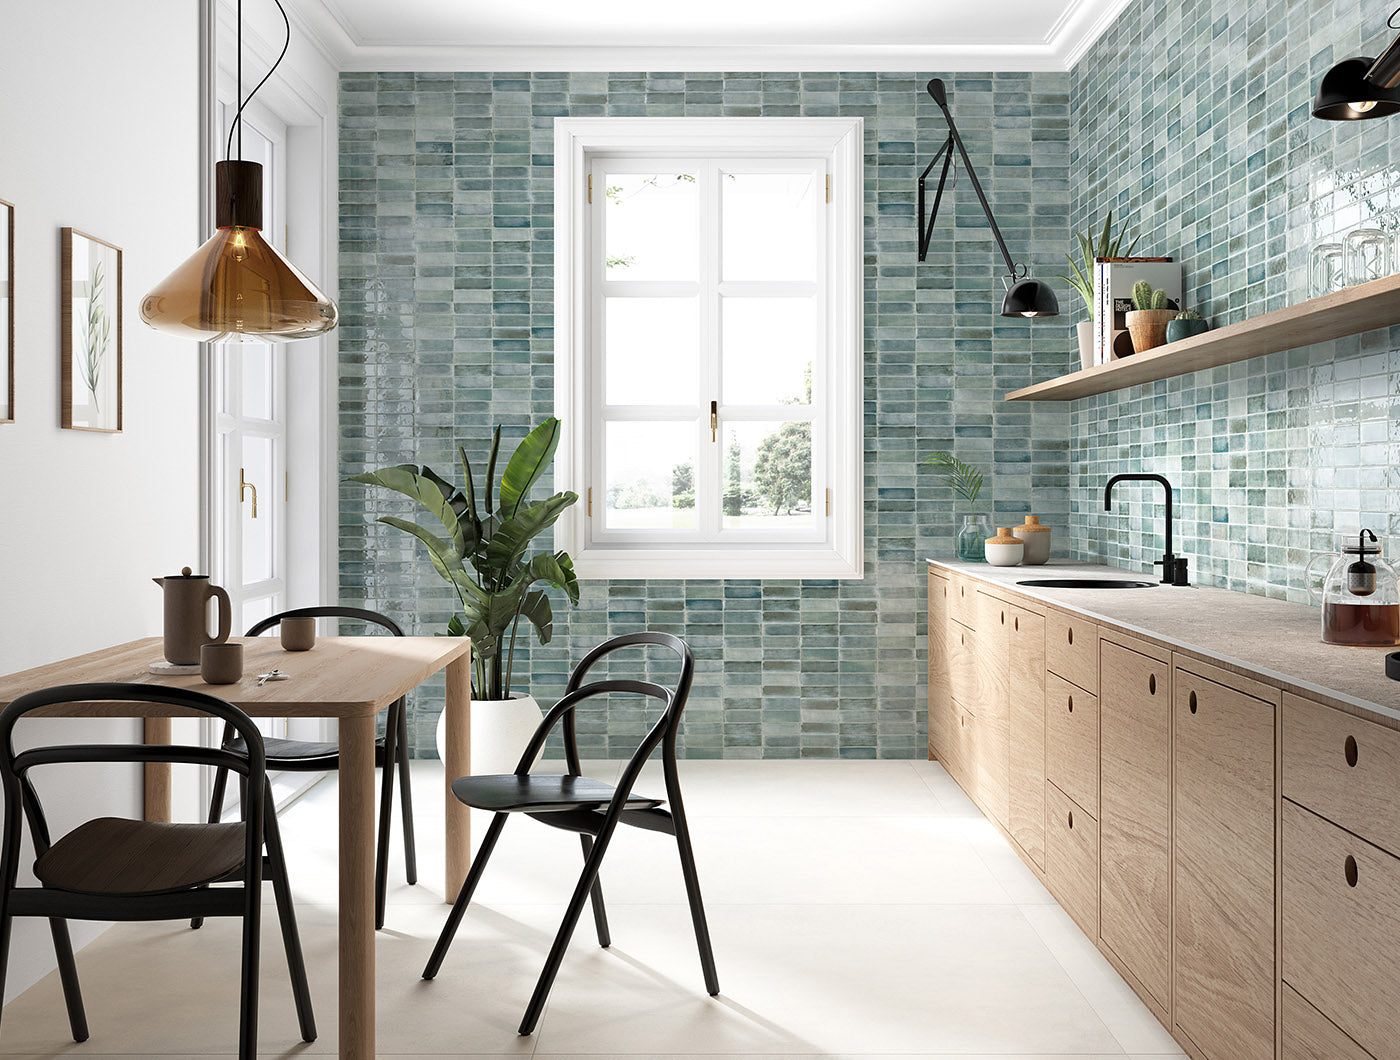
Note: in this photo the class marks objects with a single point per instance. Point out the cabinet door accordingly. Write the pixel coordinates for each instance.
(1223, 868)
(940, 696)
(993, 720)
(1027, 712)
(1135, 814)
(963, 677)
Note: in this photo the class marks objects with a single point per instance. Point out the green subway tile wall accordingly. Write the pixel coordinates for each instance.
(1191, 117)
(446, 200)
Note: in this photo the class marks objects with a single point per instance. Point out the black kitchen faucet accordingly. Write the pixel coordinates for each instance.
(1173, 568)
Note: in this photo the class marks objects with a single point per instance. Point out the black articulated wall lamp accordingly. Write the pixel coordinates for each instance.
(1025, 297)
(1361, 87)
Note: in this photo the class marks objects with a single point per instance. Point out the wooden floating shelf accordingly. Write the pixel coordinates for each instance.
(1332, 316)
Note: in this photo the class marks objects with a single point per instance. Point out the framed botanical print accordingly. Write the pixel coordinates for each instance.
(91, 322)
(7, 312)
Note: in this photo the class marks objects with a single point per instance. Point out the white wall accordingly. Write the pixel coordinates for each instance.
(98, 130)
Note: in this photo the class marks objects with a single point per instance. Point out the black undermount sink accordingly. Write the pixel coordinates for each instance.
(1084, 583)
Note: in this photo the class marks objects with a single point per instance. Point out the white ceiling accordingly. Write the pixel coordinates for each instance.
(921, 35)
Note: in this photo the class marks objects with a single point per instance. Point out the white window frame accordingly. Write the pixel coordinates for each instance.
(836, 549)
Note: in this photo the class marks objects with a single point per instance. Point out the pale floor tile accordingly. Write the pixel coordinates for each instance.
(908, 928)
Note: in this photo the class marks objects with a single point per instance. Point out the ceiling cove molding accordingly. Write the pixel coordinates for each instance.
(1072, 35)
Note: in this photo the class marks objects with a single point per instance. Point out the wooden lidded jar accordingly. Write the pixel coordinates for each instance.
(1004, 550)
(1036, 539)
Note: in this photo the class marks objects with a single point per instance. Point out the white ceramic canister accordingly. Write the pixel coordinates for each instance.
(1004, 550)
(1036, 539)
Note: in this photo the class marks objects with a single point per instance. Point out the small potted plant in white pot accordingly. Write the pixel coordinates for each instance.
(1082, 279)
(485, 557)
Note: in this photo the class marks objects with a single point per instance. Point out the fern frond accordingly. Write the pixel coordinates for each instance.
(965, 479)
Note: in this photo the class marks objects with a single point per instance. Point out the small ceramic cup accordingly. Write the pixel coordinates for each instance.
(221, 664)
(298, 634)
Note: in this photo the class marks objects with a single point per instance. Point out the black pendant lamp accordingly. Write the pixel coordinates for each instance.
(1025, 297)
(237, 285)
(1360, 88)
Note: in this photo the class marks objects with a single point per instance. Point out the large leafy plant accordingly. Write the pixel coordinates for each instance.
(484, 553)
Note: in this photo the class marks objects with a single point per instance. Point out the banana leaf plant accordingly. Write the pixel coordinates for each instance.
(483, 551)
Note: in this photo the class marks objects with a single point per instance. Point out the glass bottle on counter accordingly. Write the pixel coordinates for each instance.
(971, 538)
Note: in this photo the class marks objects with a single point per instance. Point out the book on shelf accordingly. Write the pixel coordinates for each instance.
(1113, 298)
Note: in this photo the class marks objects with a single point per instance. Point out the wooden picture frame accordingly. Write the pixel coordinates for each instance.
(7, 312)
(91, 363)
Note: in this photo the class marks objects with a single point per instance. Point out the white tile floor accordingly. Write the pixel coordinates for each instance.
(859, 909)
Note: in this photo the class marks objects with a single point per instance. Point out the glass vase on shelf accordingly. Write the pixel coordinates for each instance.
(972, 538)
(1368, 256)
(1327, 273)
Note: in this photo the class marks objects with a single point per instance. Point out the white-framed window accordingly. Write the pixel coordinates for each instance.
(708, 354)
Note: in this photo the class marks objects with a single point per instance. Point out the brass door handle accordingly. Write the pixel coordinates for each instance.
(244, 487)
(714, 421)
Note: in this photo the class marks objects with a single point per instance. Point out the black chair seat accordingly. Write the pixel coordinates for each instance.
(114, 855)
(542, 793)
(294, 752)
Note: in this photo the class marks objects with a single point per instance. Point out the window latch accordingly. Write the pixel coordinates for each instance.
(714, 421)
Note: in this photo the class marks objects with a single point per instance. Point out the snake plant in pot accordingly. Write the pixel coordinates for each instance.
(481, 546)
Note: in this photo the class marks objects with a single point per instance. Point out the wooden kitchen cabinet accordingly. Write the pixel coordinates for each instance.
(940, 694)
(1223, 868)
(1072, 649)
(1135, 834)
(991, 662)
(1027, 713)
(1072, 741)
(1072, 859)
(1306, 1034)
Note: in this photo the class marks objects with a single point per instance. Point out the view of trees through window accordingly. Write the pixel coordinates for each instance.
(754, 302)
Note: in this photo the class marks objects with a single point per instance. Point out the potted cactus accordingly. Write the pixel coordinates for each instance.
(1188, 323)
(1147, 320)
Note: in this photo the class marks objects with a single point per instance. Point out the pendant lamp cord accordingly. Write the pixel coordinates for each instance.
(242, 100)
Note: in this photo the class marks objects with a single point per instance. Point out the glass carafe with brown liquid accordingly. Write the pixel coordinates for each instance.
(1360, 596)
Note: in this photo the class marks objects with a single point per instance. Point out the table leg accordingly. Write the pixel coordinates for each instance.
(157, 731)
(357, 887)
(458, 738)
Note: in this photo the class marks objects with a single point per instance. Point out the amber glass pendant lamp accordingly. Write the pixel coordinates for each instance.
(237, 285)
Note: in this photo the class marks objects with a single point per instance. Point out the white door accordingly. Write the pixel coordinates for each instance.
(251, 433)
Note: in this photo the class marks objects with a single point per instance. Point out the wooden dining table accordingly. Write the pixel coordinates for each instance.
(350, 679)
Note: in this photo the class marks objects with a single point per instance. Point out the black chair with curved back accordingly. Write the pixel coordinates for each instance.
(116, 869)
(575, 803)
(302, 756)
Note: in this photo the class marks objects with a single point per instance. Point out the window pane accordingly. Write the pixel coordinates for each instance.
(650, 226)
(768, 350)
(256, 359)
(769, 226)
(766, 480)
(650, 476)
(651, 351)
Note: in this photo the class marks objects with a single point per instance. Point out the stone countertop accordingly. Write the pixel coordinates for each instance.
(1280, 641)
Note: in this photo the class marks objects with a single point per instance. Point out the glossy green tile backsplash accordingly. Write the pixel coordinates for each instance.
(446, 282)
(1192, 120)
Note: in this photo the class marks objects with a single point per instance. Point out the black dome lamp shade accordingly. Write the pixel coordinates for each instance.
(1025, 297)
(1359, 88)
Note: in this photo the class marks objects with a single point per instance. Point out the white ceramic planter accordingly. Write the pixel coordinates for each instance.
(1005, 555)
(1085, 330)
(500, 730)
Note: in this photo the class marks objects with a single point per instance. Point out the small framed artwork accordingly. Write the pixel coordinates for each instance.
(91, 322)
(7, 312)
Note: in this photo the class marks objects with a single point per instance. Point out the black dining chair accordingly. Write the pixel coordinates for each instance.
(593, 809)
(112, 868)
(301, 756)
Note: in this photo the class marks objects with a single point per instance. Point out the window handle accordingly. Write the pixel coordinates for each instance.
(714, 421)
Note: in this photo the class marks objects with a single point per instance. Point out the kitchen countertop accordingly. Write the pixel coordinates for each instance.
(1280, 641)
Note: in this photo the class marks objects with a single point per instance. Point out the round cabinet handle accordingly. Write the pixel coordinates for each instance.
(1070, 701)
(1003, 618)
(1070, 633)
(1349, 867)
(1016, 623)
(1071, 818)
(1151, 684)
(1192, 702)
(1350, 750)
(962, 638)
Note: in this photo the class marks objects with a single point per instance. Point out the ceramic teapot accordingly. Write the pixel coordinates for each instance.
(187, 599)
(1360, 596)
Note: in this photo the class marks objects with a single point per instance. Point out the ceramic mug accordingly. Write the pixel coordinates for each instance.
(298, 634)
(221, 664)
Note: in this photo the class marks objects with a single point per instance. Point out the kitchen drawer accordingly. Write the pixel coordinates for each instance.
(962, 600)
(964, 672)
(1072, 858)
(961, 761)
(1309, 1035)
(1341, 928)
(1072, 649)
(1072, 741)
(1344, 768)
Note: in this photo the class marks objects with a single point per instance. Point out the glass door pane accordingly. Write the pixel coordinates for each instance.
(767, 476)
